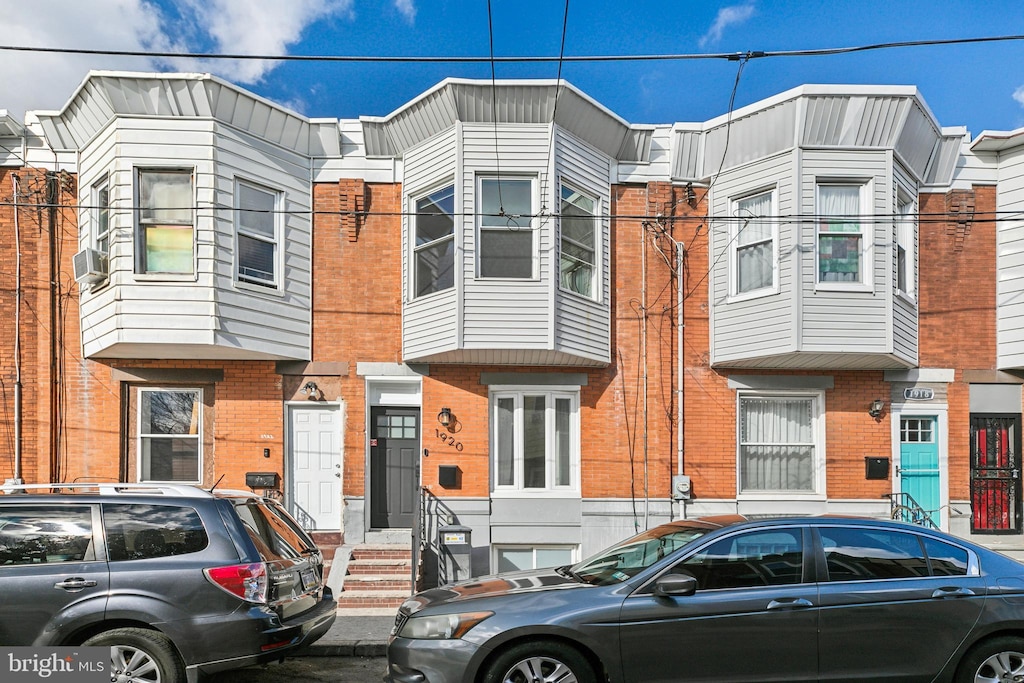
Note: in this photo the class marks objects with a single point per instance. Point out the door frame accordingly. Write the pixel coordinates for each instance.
(288, 483)
(940, 412)
(400, 391)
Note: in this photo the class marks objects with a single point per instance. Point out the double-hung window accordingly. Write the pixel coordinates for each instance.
(166, 233)
(170, 434)
(506, 239)
(257, 234)
(101, 216)
(780, 443)
(535, 440)
(754, 243)
(906, 257)
(842, 240)
(579, 226)
(434, 246)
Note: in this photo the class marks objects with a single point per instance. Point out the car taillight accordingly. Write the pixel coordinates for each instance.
(246, 581)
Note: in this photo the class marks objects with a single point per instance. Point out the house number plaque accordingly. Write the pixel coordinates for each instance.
(919, 394)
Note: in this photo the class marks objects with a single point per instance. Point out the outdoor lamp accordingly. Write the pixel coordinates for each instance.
(876, 408)
(445, 417)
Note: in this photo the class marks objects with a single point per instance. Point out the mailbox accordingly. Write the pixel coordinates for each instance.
(454, 562)
(876, 468)
(261, 480)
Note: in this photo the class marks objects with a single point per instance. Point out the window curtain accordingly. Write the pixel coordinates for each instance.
(754, 244)
(777, 444)
(839, 239)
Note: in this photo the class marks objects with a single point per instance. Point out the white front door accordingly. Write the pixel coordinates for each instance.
(314, 461)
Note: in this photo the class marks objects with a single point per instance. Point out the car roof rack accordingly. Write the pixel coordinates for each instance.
(112, 488)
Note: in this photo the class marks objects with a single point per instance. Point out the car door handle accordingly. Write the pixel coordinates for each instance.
(952, 593)
(75, 585)
(789, 603)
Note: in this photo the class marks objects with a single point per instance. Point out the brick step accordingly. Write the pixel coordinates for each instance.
(376, 598)
(359, 582)
(380, 567)
(359, 553)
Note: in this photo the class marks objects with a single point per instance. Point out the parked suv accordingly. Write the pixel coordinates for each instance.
(179, 581)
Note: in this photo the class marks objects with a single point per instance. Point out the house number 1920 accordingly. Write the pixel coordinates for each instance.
(448, 439)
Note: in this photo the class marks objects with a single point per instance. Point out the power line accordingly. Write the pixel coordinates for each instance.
(731, 56)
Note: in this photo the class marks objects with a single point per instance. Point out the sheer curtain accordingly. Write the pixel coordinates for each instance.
(754, 267)
(839, 236)
(777, 444)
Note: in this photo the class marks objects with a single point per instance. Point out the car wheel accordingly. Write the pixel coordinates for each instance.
(540, 662)
(999, 659)
(140, 655)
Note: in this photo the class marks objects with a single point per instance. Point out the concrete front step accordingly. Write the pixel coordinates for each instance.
(380, 567)
(361, 582)
(372, 598)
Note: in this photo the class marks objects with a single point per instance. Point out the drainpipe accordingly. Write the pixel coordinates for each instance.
(643, 355)
(680, 369)
(17, 337)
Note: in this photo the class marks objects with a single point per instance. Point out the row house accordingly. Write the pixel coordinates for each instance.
(503, 312)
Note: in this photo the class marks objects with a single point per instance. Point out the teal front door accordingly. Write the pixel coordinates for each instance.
(918, 470)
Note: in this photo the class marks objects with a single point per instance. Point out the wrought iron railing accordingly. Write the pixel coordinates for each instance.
(429, 516)
(904, 508)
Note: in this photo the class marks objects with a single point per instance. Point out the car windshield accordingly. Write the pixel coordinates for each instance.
(627, 559)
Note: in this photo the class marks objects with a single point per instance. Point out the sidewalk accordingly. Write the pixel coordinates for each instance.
(355, 633)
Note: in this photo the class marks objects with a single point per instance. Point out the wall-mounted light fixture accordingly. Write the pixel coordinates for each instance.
(445, 417)
(875, 410)
(310, 388)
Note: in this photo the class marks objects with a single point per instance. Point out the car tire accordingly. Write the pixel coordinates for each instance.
(141, 654)
(992, 659)
(540, 662)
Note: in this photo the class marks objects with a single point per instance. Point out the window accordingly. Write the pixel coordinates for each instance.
(514, 558)
(101, 216)
(506, 228)
(170, 441)
(759, 558)
(857, 554)
(257, 234)
(434, 247)
(536, 440)
(166, 235)
(141, 532)
(779, 443)
(906, 228)
(754, 243)
(34, 534)
(841, 238)
(578, 265)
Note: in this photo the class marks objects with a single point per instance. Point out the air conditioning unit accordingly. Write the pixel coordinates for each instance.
(90, 266)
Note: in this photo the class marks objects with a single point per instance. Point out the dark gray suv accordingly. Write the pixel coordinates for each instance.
(179, 581)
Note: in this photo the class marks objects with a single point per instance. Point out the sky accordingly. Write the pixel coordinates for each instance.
(980, 86)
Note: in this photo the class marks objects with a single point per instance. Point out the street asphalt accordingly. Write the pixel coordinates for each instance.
(355, 633)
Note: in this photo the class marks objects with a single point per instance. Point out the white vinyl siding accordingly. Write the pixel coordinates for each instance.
(1010, 261)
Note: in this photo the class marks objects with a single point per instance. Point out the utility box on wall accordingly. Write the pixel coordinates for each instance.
(455, 560)
(876, 468)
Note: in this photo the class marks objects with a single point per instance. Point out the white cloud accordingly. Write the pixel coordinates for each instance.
(42, 80)
(407, 8)
(727, 16)
(1018, 95)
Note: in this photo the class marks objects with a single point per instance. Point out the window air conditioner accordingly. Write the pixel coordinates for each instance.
(90, 266)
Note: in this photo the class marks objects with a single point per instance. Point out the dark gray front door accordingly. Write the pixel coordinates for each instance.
(394, 455)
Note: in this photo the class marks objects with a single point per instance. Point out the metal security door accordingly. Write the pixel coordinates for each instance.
(315, 466)
(394, 453)
(919, 464)
(995, 474)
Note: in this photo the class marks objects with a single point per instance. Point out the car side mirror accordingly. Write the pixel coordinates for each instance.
(672, 585)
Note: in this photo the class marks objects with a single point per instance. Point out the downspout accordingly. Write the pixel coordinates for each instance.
(680, 369)
(52, 197)
(17, 337)
(643, 355)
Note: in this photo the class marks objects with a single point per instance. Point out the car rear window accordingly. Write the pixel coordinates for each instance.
(33, 534)
(141, 532)
(276, 536)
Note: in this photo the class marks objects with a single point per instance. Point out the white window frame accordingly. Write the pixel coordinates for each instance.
(518, 487)
(496, 550)
(415, 249)
(140, 437)
(735, 247)
(865, 281)
(595, 276)
(141, 265)
(100, 210)
(906, 240)
(252, 282)
(528, 223)
(817, 397)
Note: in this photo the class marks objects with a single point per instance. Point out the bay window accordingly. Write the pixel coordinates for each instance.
(906, 257)
(101, 216)
(535, 436)
(578, 265)
(841, 234)
(506, 239)
(170, 434)
(165, 238)
(257, 234)
(434, 241)
(780, 443)
(754, 243)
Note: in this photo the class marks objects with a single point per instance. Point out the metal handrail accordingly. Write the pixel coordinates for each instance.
(903, 507)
